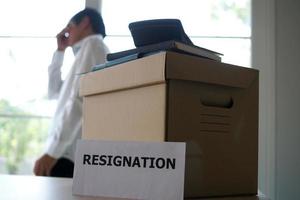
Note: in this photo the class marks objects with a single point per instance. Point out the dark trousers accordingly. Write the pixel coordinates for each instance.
(63, 168)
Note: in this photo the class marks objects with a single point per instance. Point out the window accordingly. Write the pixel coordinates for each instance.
(27, 42)
(219, 25)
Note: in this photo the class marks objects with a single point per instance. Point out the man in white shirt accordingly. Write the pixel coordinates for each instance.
(84, 33)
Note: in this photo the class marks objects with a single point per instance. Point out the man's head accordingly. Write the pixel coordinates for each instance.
(85, 23)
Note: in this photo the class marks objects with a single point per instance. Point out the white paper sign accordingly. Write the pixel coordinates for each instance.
(134, 170)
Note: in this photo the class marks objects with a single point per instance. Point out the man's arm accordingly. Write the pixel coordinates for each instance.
(54, 69)
(54, 75)
(45, 163)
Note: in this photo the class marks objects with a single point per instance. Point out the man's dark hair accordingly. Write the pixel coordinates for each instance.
(95, 19)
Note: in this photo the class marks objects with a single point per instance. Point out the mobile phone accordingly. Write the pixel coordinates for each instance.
(66, 34)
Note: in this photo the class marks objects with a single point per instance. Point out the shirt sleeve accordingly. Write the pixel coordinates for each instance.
(54, 75)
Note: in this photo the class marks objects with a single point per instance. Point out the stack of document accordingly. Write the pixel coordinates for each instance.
(171, 45)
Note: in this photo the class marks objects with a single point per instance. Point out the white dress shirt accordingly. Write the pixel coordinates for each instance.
(67, 122)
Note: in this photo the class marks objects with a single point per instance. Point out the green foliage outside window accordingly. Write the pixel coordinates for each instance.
(21, 136)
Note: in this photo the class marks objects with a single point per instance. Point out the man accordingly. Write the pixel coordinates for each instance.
(84, 33)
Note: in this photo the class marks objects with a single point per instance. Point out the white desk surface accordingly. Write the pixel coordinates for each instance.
(16, 187)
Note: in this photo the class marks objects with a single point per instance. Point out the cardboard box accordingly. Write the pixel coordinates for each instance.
(168, 96)
(246, 197)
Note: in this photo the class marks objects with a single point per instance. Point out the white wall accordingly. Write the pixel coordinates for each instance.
(263, 58)
(276, 43)
(97, 4)
(287, 99)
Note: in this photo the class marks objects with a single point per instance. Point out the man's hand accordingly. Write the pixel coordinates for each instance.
(62, 40)
(43, 165)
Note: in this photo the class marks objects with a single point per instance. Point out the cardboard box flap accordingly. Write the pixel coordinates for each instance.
(144, 71)
(185, 67)
(158, 67)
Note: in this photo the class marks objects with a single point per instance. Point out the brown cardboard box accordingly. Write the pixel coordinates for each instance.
(246, 197)
(168, 96)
